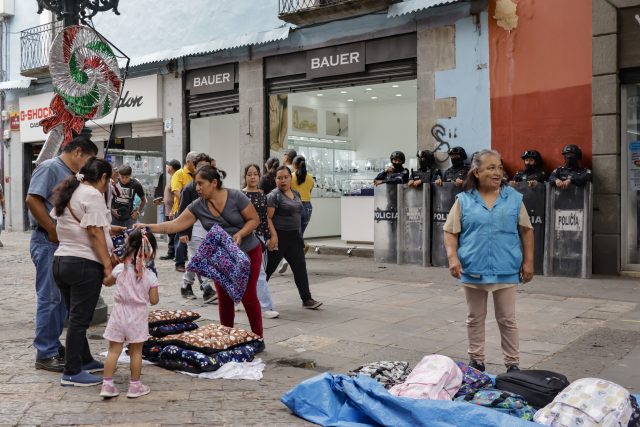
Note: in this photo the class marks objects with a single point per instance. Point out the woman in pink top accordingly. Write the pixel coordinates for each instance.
(82, 262)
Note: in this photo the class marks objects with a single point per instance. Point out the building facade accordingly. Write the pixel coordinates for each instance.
(346, 86)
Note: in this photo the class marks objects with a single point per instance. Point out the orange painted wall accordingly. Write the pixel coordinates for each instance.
(541, 81)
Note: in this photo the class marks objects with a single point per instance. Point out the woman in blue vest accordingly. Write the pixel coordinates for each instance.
(489, 243)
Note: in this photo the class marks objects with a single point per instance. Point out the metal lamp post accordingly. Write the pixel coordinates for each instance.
(71, 12)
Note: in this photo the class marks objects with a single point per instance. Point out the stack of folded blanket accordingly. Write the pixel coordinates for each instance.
(168, 322)
(204, 349)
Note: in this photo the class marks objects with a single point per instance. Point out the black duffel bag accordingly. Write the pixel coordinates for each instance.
(537, 387)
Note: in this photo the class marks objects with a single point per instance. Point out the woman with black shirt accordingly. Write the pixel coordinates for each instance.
(259, 201)
(284, 210)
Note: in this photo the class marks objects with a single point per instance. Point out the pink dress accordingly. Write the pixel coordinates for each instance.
(129, 320)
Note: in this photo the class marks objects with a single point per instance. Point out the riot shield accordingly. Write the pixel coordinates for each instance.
(413, 225)
(534, 200)
(568, 231)
(442, 199)
(385, 215)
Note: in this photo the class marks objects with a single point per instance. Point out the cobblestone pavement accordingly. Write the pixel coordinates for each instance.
(371, 312)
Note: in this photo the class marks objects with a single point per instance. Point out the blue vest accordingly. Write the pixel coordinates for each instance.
(489, 245)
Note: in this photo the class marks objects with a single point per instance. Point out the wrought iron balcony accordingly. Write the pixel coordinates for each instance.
(301, 12)
(35, 44)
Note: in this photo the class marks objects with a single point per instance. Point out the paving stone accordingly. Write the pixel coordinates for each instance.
(369, 314)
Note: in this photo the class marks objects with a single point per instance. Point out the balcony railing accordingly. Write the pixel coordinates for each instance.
(293, 6)
(302, 12)
(35, 44)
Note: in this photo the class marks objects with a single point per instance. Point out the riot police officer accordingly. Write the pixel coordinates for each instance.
(458, 171)
(426, 172)
(571, 172)
(394, 174)
(533, 172)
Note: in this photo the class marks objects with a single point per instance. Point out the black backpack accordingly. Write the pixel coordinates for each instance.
(537, 387)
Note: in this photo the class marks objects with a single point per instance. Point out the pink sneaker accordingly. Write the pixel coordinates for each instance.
(109, 390)
(137, 390)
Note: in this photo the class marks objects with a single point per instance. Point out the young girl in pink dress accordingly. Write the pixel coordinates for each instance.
(136, 287)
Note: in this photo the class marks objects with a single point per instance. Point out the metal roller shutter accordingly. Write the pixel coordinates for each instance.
(375, 73)
(100, 133)
(146, 129)
(213, 104)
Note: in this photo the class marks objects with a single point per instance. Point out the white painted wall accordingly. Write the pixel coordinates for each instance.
(218, 136)
(380, 129)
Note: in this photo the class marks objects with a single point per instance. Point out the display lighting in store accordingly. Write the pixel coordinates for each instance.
(318, 140)
(374, 97)
(368, 89)
(395, 85)
(350, 100)
(398, 94)
(343, 91)
(319, 94)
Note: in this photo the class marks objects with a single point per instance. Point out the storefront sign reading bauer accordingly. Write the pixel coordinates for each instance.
(335, 60)
(213, 79)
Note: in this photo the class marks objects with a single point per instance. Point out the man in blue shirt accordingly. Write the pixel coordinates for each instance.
(50, 307)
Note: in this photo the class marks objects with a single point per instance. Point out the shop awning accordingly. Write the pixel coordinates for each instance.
(411, 6)
(15, 84)
(214, 46)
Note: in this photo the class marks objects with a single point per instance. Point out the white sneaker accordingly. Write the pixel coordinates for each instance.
(270, 314)
(283, 267)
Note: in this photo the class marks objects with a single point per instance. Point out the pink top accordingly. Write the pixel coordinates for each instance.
(89, 206)
(129, 290)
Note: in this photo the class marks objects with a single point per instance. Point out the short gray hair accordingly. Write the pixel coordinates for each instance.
(191, 156)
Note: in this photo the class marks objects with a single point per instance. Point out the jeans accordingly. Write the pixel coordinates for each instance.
(181, 253)
(80, 282)
(504, 303)
(50, 309)
(197, 235)
(264, 296)
(171, 250)
(306, 218)
(291, 248)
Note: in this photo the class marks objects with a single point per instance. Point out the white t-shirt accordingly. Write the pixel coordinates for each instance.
(89, 206)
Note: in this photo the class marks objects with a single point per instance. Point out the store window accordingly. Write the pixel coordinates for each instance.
(145, 156)
(346, 134)
(631, 176)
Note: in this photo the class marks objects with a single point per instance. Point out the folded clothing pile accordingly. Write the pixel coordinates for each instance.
(204, 349)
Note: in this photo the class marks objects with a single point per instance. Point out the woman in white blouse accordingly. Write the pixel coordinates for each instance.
(82, 262)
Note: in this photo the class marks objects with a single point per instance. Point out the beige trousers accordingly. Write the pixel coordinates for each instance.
(504, 301)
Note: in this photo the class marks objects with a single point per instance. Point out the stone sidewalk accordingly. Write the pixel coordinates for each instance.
(370, 312)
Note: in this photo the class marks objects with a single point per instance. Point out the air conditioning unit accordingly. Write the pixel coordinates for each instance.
(6, 7)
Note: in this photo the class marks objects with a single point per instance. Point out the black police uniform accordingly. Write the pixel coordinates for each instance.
(398, 176)
(529, 175)
(456, 172)
(426, 173)
(427, 176)
(571, 169)
(578, 175)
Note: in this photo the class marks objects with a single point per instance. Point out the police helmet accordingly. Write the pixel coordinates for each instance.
(427, 156)
(460, 151)
(532, 154)
(397, 155)
(572, 149)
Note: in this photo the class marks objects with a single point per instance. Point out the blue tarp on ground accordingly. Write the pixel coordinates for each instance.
(339, 400)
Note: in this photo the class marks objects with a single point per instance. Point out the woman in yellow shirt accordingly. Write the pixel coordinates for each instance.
(303, 183)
